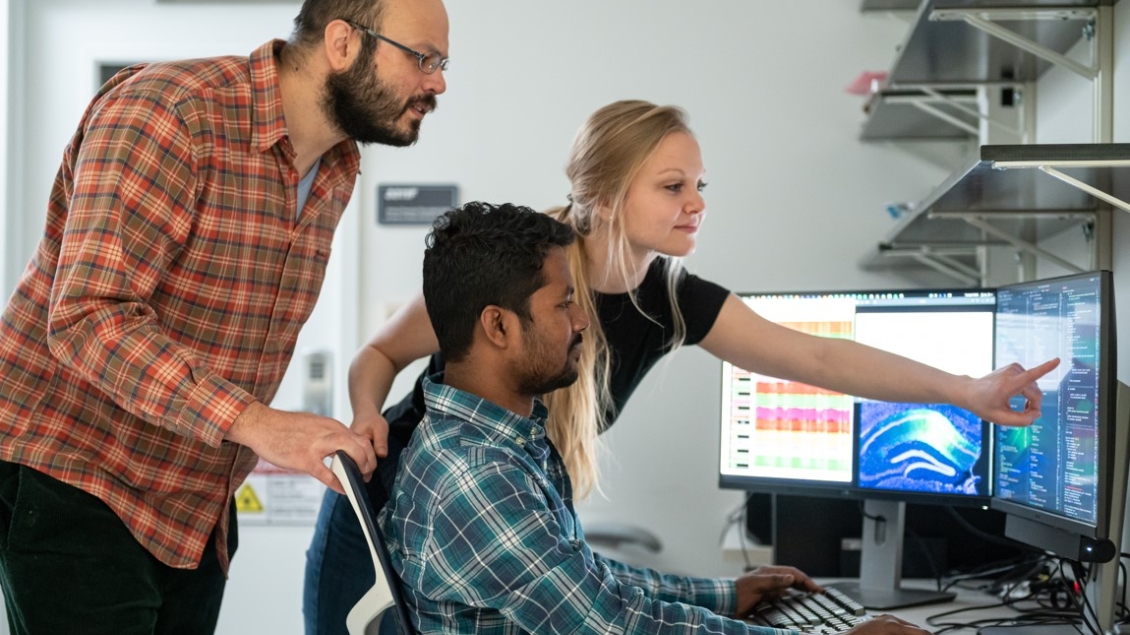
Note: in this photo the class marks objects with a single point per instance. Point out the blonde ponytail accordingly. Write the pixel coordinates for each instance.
(577, 413)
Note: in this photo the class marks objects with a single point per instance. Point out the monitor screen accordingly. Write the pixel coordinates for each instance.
(784, 436)
(782, 430)
(927, 448)
(1057, 470)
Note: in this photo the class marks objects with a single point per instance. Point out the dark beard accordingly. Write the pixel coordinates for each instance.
(366, 110)
(540, 380)
(544, 385)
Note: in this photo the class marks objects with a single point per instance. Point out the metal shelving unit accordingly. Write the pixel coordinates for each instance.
(1014, 195)
(968, 70)
(972, 42)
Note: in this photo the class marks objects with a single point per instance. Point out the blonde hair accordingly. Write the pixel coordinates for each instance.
(607, 154)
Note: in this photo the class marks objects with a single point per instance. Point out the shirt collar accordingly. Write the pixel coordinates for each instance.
(494, 420)
(269, 125)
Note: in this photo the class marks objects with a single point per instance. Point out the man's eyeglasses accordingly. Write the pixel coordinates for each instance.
(428, 62)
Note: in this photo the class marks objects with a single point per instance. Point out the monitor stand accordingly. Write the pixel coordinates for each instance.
(880, 563)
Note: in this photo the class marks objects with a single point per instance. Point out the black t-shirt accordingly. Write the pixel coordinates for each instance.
(636, 342)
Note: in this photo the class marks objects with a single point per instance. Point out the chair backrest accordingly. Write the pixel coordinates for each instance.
(365, 617)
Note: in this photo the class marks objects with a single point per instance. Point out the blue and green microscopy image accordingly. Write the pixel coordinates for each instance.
(928, 448)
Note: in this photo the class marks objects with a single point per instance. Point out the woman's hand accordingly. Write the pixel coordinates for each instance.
(990, 395)
(374, 427)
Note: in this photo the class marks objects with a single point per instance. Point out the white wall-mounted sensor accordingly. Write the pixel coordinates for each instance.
(317, 380)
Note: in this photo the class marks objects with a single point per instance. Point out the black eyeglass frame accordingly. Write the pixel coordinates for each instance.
(420, 57)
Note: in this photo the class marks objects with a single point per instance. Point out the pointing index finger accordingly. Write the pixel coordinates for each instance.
(1032, 374)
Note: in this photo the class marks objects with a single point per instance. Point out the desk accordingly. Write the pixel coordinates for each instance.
(966, 599)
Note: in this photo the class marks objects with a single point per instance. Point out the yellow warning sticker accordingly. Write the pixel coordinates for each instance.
(246, 500)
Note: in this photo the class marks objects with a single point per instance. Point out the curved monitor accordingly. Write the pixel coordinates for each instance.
(786, 437)
(1058, 474)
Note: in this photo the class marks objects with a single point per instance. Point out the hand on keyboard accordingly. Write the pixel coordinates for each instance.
(827, 612)
(769, 583)
(887, 625)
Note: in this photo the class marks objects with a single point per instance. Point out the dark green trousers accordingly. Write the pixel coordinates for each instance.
(69, 565)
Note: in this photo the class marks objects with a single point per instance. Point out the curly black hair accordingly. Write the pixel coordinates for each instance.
(480, 255)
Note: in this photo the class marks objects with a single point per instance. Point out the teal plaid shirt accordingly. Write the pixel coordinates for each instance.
(481, 529)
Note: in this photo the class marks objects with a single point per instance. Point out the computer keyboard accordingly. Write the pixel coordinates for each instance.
(829, 612)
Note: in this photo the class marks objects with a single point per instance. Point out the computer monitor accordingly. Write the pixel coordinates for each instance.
(1062, 480)
(783, 436)
(938, 450)
(780, 435)
(789, 438)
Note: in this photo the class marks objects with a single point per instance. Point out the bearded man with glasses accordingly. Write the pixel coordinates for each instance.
(188, 232)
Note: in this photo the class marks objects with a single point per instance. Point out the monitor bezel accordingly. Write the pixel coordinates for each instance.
(851, 489)
(1106, 407)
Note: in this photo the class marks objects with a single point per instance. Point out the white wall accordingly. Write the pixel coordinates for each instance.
(795, 200)
(10, 54)
(5, 91)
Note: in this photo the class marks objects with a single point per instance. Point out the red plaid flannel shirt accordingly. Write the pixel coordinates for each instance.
(166, 294)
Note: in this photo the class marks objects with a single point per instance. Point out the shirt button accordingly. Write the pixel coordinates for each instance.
(520, 441)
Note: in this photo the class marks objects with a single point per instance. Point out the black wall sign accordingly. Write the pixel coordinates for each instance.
(414, 204)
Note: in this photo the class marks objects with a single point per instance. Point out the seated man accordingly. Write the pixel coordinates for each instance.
(480, 525)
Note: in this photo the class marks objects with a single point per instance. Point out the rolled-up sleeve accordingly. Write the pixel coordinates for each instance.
(714, 594)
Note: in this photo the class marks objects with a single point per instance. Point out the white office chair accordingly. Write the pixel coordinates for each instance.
(365, 617)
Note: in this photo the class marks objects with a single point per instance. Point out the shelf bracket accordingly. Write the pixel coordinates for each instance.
(938, 262)
(926, 102)
(977, 220)
(1054, 170)
(945, 117)
(984, 20)
(969, 111)
(1095, 192)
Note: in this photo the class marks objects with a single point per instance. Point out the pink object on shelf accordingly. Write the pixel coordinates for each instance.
(867, 82)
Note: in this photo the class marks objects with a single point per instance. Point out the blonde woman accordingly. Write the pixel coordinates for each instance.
(636, 205)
